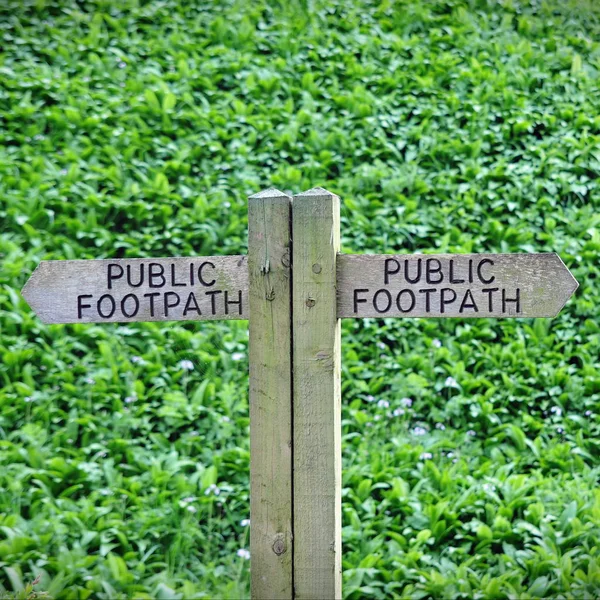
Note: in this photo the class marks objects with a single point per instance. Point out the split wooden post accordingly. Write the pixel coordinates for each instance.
(317, 403)
(269, 272)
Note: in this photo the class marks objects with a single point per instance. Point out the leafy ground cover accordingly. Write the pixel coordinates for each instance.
(132, 128)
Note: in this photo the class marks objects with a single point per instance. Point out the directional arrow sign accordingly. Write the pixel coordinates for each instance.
(139, 289)
(452, 285)
(369, 285)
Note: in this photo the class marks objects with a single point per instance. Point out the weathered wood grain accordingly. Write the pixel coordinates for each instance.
(139, 289)
(317, 406)
(452, 285)
(271, 551)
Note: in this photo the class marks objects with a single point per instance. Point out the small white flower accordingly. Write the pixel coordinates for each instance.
(243, 553)
(436, 343)
(138, 360)
(63, 171)
(38, 137)
(381, 345)
(28, 399)
(370, 398)
(189, 499)
(245, 522)
(406, 402)
(556, 410)
(122, 65)
(191, 509)
(451, 382)
(488, 487)
(193, 433)
(186, 365)
(226, 204)
(419, 431)
(238, 356)
(398, 412)
(106, 492)
(226, 419)
(440, 426)
(212, 489)
(383, 404)
(471, 432)
(426, 456)
(369, 424)
(450, 454)
(130, 399)
(560, 430)
(90, 381)
(377, 417)
(588, 413)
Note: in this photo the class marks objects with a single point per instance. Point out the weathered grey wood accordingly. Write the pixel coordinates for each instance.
(317, 407)
(460, 285)
(269, 214)
(172, 289)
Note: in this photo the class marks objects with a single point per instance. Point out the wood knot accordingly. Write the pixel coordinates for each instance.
(325, 359)
(310, 302)
(279, 544)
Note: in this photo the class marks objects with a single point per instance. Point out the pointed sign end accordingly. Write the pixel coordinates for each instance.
(28, 293)
(569, 283)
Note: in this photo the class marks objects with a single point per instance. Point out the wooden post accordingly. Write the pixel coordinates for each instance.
(317, 404)
(269, 260)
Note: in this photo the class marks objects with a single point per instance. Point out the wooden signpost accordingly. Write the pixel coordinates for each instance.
(294, 295)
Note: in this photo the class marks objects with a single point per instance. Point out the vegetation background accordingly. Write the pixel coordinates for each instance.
(133, 128)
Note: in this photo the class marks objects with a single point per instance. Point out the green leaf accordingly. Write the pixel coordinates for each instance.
(152, 101)
(169, 101)
(484, 532)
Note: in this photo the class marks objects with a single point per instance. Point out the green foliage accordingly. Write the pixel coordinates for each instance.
(134, 128)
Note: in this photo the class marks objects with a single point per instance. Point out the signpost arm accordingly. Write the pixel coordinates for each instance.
(317, 404)
(269, 219)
